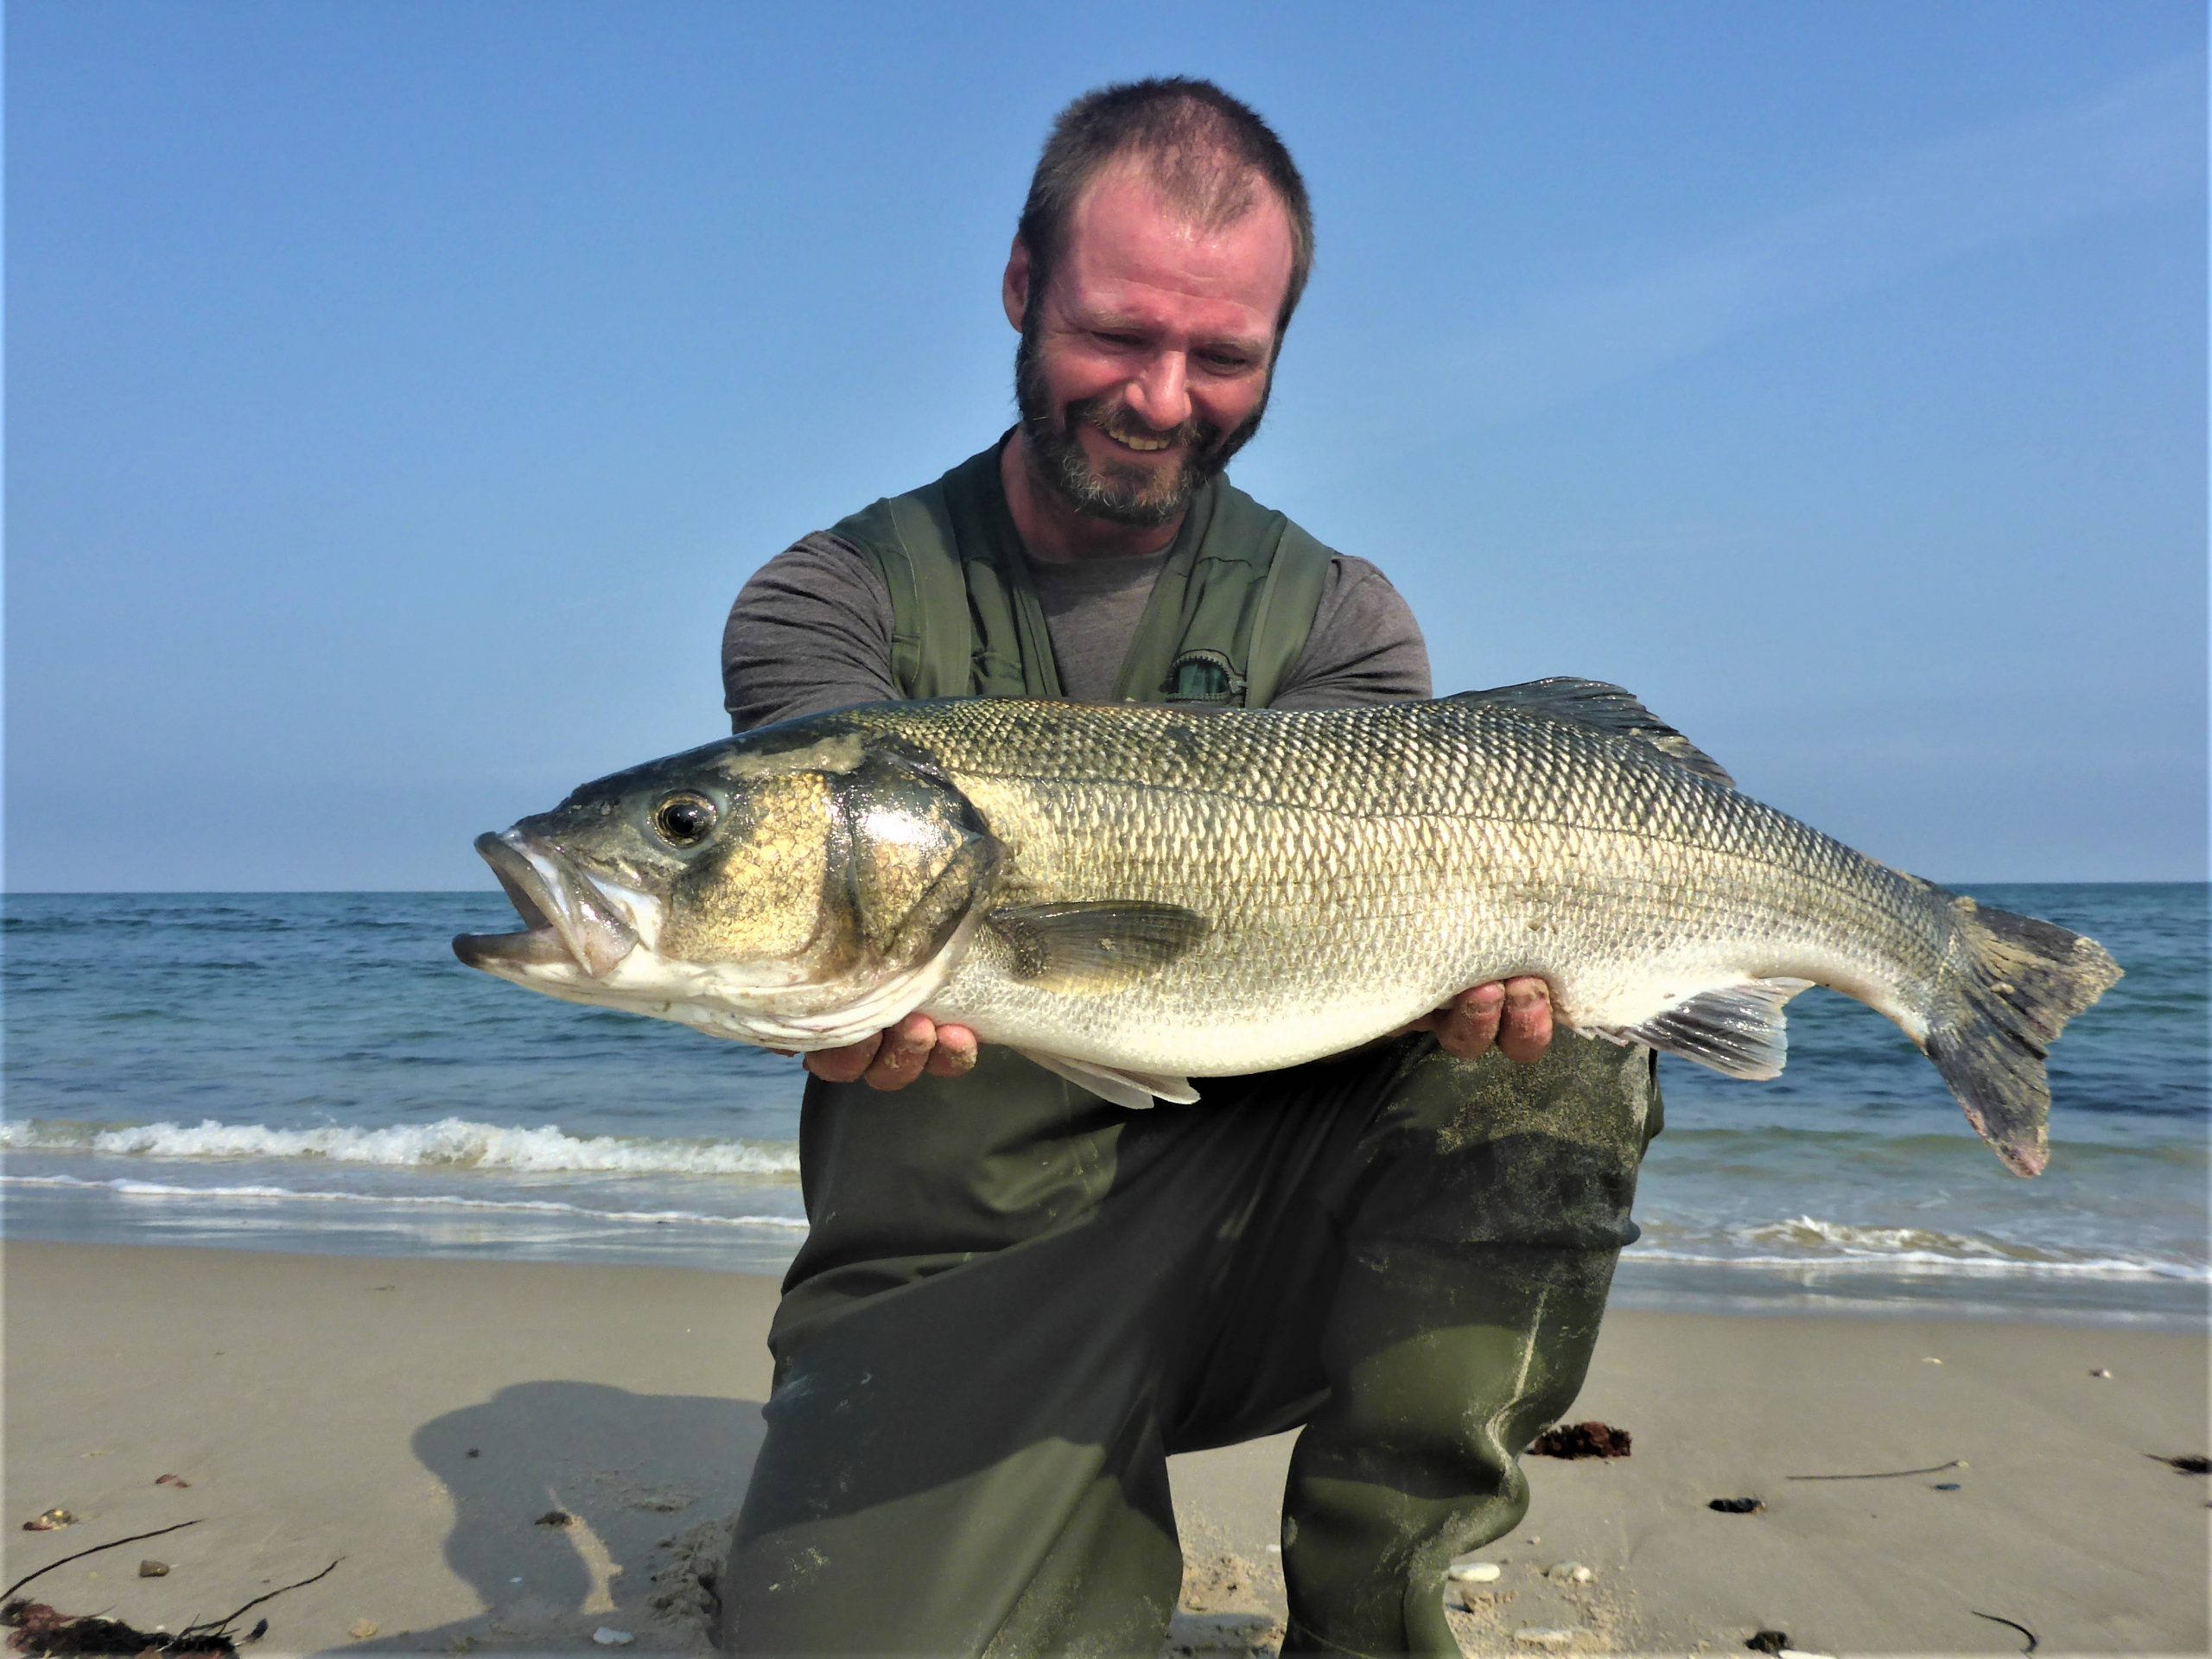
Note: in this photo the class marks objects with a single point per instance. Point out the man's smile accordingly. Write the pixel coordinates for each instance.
(1142, 443)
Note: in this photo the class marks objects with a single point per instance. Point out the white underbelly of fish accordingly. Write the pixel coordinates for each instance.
(1240, 1006)
(1195, 1035)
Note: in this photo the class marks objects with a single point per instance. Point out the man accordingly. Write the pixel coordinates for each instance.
(1016, 1299)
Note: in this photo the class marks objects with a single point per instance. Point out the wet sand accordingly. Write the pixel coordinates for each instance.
(415, 1419)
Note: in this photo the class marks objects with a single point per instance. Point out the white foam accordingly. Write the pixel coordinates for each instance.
(136, 1189)
(1808, 1242)
(1844, 1238)
(451, 1143)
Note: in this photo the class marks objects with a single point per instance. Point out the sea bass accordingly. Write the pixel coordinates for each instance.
(1135, 896)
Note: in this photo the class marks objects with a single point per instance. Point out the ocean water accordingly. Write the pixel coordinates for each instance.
(315, 1071)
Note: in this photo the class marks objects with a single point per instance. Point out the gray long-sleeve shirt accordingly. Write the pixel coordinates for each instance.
(812, 632)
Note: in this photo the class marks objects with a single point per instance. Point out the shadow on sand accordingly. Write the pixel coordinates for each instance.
(648, 1483)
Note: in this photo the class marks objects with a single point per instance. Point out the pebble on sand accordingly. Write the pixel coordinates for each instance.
(612, 1638)
(153, 1569)
(1546, 1636)
(361, 1629)
(1569, 1573)
(50, 1521)
(1475, 1572)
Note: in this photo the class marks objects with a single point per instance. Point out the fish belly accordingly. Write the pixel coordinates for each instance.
(1329, 929)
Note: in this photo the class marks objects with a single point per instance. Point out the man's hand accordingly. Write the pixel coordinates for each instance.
(893, 1058)
(1515, 1017)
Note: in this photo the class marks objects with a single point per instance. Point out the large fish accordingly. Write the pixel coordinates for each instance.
(1136, 896)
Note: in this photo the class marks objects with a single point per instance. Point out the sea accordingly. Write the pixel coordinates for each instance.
(315, 1072)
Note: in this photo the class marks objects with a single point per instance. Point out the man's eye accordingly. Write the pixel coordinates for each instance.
(1226, 362)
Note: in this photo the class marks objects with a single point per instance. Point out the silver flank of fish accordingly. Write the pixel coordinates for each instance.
(1139, 896)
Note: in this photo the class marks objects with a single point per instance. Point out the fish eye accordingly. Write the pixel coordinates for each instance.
(685, 820)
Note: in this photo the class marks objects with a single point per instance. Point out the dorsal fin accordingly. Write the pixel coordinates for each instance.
(1606, 708)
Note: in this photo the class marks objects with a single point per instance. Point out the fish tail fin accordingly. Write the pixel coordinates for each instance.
(2021, 981)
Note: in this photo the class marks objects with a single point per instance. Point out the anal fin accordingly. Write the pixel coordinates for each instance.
(1135, 1089)
(1740, 1030)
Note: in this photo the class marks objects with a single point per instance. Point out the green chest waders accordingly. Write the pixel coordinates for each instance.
(1015, 1301)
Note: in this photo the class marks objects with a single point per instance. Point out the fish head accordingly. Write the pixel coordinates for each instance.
(798, 894)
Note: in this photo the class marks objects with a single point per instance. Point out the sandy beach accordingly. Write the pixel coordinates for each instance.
(416, 1421)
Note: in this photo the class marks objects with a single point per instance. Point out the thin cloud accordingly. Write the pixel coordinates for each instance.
(2139, 140)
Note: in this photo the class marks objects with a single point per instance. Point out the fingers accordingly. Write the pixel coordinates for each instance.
(904, 1051)
(1524, 1030)
(955, 1053)
(1467, 1027)
(843, 1065)
(1515, 1017)
(893, 1058)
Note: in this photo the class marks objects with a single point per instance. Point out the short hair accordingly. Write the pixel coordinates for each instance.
(1200, 147)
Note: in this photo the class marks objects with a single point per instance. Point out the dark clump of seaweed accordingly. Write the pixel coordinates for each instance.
(40, 1629)
(1590, 1439)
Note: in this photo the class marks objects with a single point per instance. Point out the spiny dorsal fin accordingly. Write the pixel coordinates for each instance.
(1095, 947)
(1606, 708)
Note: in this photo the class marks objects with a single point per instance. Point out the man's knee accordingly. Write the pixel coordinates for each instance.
(1437, 1356)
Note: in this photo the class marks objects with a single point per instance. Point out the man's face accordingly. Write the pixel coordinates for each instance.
(1145, 365)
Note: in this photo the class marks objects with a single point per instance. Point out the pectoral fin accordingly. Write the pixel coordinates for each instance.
(1094, 947)
(1135, 1089)
(1738, 1030)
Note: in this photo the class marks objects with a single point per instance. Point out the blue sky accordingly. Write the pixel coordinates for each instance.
(397, 395)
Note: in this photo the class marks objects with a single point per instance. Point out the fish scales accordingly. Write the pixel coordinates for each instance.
(1104, 803)
(1139, 895)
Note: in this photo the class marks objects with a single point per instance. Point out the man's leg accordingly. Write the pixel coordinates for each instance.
(967, 1465)
(1006, 1293)
(1481, 1243)
(1447, 1363)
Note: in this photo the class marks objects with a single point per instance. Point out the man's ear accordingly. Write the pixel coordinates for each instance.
(1014, 287)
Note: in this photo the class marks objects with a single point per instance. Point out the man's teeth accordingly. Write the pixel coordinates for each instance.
(1130, 441)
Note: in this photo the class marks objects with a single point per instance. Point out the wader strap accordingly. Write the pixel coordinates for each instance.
(1227, 617)
(1013, 654)
(1233, 609)
(930, 630)
(1164, 629)
(1282, 620)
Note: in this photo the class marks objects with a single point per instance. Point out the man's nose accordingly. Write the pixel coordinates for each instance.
(1161, 394)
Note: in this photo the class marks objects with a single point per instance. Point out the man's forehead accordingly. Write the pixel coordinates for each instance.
(1127, 237)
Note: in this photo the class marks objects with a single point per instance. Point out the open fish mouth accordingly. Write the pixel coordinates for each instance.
(568, 923)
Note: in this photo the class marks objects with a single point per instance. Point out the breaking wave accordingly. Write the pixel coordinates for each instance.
(128, 1188)
(451, 1143)
(1808, 1241)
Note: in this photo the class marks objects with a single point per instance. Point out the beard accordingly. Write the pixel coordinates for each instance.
(1139, 496)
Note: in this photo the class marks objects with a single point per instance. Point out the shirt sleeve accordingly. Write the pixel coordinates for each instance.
(1365, 646)
(811, 632)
